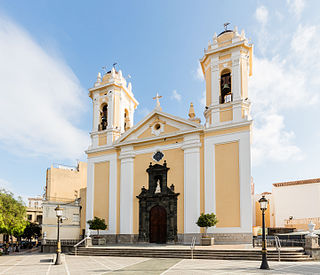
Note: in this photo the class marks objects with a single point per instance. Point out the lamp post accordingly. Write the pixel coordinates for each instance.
(59, 212)
(263, 206)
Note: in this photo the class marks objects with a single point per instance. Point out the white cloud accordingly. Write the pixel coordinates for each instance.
(199, 73)
(262, 14)
(175, 95)
(273, 142)
(41, 99)
(284, 82)
(296, 6)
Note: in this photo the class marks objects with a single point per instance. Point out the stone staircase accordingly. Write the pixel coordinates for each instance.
(292, 255)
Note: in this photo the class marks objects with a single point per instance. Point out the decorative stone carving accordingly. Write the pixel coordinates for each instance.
(151, 197)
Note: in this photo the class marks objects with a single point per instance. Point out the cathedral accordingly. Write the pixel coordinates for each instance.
(152, 180)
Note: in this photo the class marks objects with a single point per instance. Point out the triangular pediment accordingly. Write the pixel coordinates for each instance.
(158, 124)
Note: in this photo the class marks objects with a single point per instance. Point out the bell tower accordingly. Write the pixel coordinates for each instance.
(113, 107)
(227, 65)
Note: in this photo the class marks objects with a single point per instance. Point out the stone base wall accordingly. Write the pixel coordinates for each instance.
(51, 248)
(219, 238)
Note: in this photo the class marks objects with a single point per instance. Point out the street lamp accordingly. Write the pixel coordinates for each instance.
(263, 206)
(59, 212)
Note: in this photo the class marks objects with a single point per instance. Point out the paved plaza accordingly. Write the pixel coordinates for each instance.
(39, 263)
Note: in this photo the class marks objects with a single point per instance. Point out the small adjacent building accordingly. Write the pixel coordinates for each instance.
(292, 204)
(34, 210)
(65, 186)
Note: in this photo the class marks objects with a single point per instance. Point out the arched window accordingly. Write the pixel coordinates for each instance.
(225, 87)
(104, 117)
(126, 125)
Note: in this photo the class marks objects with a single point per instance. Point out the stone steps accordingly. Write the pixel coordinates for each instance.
(254, 255)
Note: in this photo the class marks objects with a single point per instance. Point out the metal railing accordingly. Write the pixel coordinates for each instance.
(284, 240)
(192, 245)
(278, 246)
(76, 245)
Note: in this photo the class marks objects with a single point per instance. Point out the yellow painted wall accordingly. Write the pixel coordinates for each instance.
(102, 153)
(162, 142)
(226, 114)
(224, 57)
(259, 215)
(101, 190)
(208, 86)
(64, 185)
(102, 139)
(228, 131)
(167, 129)
(175, 161)
(227, 184)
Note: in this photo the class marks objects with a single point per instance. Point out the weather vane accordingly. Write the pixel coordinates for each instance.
(225, 25)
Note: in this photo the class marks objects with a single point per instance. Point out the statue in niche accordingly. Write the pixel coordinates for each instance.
(158, 189)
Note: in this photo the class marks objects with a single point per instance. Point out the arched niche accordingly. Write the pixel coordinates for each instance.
(126, 125)
(103, 117)
(225, 86)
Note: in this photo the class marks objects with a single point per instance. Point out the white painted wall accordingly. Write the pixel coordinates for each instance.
(300, 201)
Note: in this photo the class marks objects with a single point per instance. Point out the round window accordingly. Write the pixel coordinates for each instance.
(157, 126)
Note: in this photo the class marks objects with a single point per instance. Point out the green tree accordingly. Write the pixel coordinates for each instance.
(12, 214)
(32, 230)
(97, 224)
(207, 220)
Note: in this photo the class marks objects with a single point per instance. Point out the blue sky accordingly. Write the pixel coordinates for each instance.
(51, 52)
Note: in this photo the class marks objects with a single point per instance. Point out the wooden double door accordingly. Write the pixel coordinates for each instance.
(158, 225)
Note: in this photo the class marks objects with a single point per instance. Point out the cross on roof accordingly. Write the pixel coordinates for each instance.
(157, 97)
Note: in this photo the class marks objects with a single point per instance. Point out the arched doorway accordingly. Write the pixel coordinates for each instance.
(158, 224)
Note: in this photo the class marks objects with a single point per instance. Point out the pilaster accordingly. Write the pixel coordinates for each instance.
(126, 189)
(191, 147)
(215, 81)
(236, 76)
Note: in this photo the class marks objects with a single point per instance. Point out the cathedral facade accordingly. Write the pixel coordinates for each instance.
(151, 181)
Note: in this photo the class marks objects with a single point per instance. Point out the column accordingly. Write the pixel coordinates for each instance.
(126, 190)
(191, 147)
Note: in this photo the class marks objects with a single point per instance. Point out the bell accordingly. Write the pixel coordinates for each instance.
(226, 88)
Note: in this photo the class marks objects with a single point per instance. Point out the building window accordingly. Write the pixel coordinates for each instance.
(39, 219)
(29, 217)
(225, 87)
